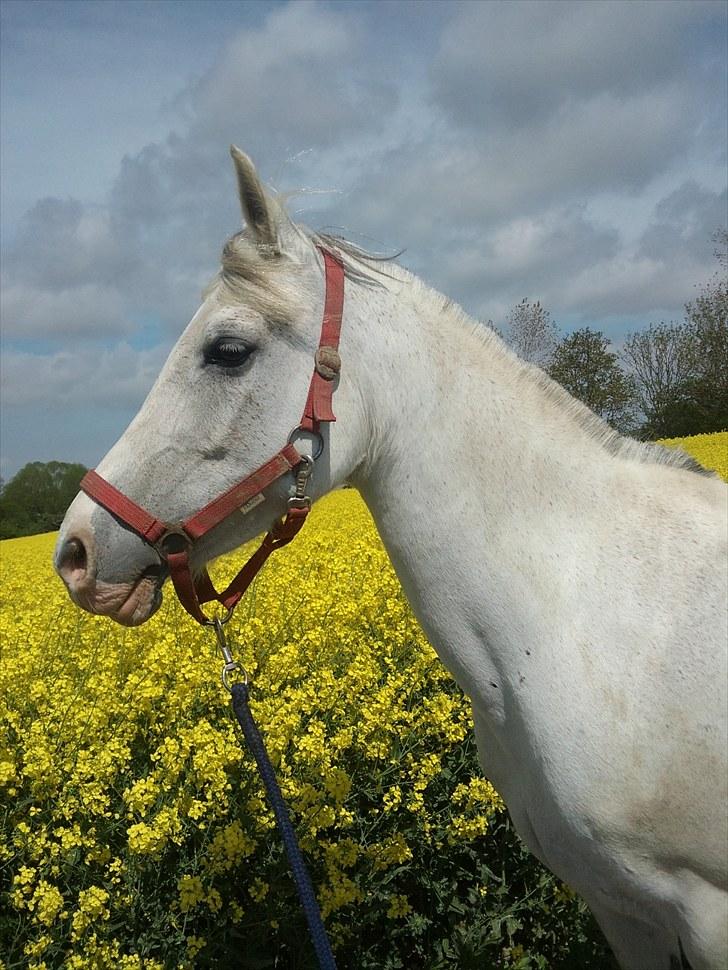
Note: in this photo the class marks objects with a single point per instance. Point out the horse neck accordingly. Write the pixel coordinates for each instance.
(470, 465)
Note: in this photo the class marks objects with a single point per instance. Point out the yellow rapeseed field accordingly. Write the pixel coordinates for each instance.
(118, 753)
(135, 831)
(711, 450)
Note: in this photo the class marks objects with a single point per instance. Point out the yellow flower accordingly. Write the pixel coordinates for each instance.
(195, 944)
(236, 911)
(258, 890)
(214, 901)
(92, 908)
(711, 450)
(47, 903)
(39, 946)
(338, 784)
(398, 907)
(340, 891)
(191, 892)
(392, 798)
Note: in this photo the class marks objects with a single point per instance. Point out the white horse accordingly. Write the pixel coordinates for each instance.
(571, 580)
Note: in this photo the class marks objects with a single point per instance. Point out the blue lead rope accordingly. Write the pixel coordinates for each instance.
(321, 945)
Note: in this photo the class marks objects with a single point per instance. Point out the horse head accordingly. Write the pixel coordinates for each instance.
(228, 397)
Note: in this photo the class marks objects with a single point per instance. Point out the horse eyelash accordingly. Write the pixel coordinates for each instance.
(235, 351)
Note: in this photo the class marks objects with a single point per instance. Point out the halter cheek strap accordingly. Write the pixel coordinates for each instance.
(174, 541)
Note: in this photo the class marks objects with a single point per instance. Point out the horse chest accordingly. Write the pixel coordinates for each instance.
(564, 836)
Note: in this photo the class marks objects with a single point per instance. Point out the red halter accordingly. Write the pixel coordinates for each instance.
(173, 541)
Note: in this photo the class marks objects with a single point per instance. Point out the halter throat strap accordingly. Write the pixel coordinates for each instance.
(173, 541)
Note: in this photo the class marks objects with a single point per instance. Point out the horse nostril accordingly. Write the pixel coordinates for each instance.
(72, 560)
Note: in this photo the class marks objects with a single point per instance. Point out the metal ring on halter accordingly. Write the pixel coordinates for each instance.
(179, 538)
(217, 620)
(313, 434)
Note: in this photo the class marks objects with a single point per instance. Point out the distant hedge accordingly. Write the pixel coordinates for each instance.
(36, 499)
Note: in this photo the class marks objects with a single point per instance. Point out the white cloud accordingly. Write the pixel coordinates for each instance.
(622, 285)
(298, 81)
(90, 268)
(514, 64)
(86, 311)
(65, 274)
(117, 377)
(683, 224)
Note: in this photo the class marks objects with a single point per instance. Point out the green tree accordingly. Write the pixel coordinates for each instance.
(531, 332)
(681, 370)
(36, 499)
(706, 319)
(662, 362)
(584, 365)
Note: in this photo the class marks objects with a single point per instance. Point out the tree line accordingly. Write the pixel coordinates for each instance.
(36, 499)
(667, 381)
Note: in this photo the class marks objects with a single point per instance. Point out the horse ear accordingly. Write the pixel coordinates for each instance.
(258, 211)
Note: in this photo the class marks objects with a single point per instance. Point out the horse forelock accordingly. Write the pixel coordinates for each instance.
(258, 280)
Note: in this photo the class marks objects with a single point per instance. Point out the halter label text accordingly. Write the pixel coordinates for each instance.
(251, 503)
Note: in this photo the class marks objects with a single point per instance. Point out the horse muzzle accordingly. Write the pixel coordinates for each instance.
(129, 603)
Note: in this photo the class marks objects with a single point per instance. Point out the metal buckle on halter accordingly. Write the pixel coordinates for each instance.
(299, 500)
(179, 541)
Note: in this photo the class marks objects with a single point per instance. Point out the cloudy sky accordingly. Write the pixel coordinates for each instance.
(572, 152)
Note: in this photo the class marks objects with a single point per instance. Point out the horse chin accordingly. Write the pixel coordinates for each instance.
(129, 605)
(140, 605)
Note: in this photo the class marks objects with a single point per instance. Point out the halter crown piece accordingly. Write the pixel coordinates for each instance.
(174, 541)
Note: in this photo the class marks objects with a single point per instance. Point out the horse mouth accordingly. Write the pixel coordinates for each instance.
(129, 604)
(141, 604)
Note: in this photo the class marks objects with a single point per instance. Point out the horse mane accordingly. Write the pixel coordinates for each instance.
(646, 452)
(246, 272)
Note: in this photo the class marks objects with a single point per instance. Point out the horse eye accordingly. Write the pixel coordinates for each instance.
(227, 352)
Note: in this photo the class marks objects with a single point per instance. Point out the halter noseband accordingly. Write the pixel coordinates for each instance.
(173, 541)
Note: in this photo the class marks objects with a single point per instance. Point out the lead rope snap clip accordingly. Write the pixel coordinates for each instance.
(231, 666)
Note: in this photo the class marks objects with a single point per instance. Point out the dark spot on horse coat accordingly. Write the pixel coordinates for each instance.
(214, 454)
